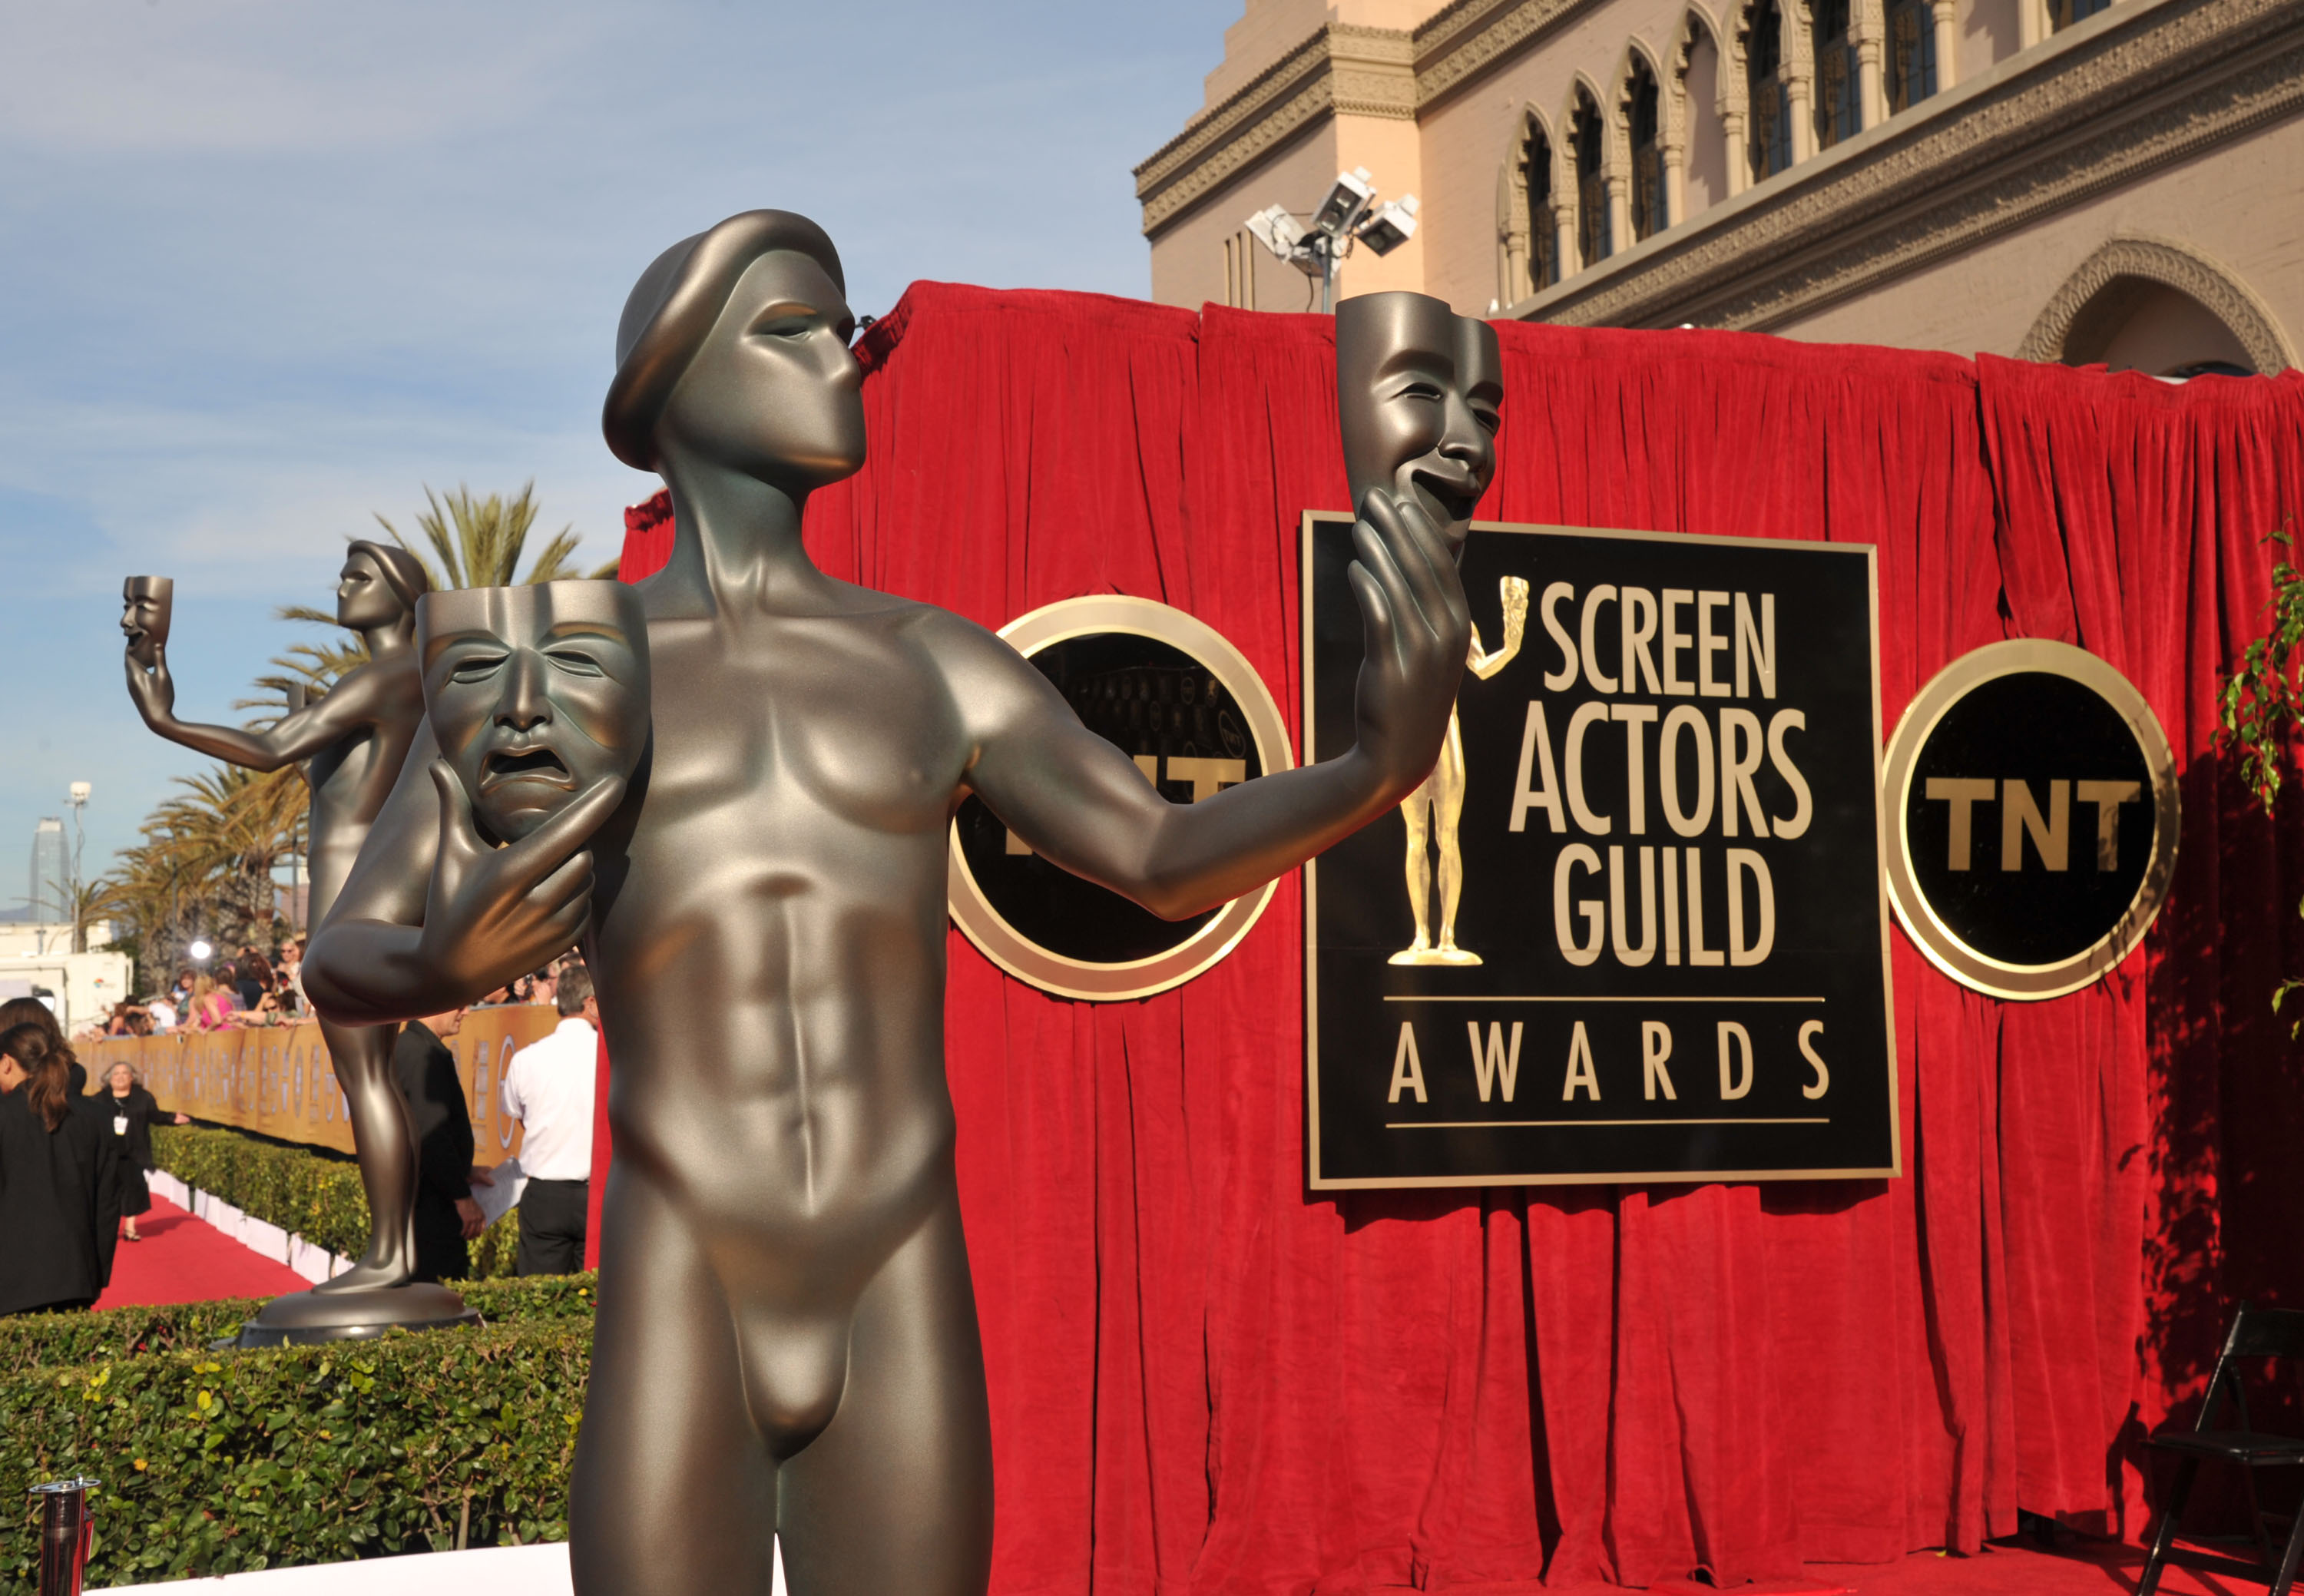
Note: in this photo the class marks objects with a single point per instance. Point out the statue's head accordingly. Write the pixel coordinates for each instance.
(733, 350)
(1418, 388)
(534, 693)
(146, 603)
(378, 586)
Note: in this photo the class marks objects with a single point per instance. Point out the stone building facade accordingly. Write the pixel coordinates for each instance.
(2079, 180)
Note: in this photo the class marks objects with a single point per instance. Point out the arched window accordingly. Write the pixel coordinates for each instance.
(1594, 240)
(1911, 54)
(1543, 234)
(1838, 110)
(1771, 111)
(1706, 180)
(1647, 151)
(2064, 14)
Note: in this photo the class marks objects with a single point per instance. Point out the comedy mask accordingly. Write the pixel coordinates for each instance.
(144, 605)
(1416, 391)
(535, 693)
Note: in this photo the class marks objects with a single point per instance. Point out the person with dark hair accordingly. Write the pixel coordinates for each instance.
(446, 1217)
(547, 1087)
(255, 977)
(59, 1196)
(32, 1011)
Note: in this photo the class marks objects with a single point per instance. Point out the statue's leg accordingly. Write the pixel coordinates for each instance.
(673, 1493)
(895, 1498)
(1416, 810)
(1447, 784)
(383, 1136)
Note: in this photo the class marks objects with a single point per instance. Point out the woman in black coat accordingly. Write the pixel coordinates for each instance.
(59, 1194)
(129, 1112)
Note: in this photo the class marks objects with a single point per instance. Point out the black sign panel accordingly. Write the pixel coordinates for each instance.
(2036, 813)
(1653, 938)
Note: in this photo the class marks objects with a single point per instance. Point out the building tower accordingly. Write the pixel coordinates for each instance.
(50, 872)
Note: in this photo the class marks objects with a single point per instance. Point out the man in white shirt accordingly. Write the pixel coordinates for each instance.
(547, 1087)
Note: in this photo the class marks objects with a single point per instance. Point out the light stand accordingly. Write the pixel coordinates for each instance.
(1349, 215)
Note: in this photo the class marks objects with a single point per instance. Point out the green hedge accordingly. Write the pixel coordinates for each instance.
(214, 1463)
(310, 1194)
(57, 1340)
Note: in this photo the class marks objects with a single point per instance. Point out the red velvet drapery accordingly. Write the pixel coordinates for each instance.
(1204, 1381)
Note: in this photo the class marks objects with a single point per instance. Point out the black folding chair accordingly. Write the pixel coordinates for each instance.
(2255, 1333)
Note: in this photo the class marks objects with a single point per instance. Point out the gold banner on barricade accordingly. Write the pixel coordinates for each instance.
(276, 1079)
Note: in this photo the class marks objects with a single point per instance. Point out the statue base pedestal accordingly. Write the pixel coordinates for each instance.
(309, 1316)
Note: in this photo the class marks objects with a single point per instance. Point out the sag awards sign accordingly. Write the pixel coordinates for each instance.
(1170, 692)
(2036, 819)
(1633, 928)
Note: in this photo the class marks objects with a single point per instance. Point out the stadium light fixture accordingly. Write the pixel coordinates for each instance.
(1348, 215)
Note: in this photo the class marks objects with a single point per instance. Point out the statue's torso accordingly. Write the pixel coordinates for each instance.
(769, 944)
(354, 776)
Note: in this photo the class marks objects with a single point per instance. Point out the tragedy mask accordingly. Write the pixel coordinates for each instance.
(145, 604)
(535, 693)
(1418, 388)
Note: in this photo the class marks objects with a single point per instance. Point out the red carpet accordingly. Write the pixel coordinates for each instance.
(2075, 1568)
(2079, 1569)
(181, 1260)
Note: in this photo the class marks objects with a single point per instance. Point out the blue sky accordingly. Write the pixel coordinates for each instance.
(273, 265)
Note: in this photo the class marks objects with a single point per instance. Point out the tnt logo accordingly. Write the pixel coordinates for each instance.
(2036, 878)
(2051, 834)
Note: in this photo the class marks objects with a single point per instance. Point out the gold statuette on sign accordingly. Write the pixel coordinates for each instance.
(1441, 798)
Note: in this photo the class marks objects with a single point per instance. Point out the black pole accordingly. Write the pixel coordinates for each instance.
(67, 1526)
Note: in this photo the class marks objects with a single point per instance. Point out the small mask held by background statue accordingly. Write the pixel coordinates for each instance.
(145, 602)
(535, 693)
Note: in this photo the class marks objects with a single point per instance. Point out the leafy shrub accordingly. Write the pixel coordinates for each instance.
(310, 1194)
(213, 1463)
(57, 1340)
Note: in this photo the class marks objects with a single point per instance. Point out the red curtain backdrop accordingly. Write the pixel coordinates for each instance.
(1204, 1380)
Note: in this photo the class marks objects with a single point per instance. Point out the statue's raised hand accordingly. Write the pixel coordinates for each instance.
(153, 690)
(495, 913)
(1418, 629)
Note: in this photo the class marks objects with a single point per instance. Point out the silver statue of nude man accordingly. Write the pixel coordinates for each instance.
(351, 744)
(787, 1338)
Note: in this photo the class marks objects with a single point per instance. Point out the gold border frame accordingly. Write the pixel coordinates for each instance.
(1938, 942)
(1895, 1168)
(1025, 959)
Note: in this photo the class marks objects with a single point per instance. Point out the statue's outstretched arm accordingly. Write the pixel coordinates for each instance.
(433, 916)
(1080, 801)
(297, 735)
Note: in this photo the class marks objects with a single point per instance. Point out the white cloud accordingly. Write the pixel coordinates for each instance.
(241, 76)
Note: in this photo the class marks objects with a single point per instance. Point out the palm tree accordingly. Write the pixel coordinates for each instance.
(206, 861)
(478, 541)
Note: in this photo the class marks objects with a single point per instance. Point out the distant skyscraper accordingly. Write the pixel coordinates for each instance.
(49, 872)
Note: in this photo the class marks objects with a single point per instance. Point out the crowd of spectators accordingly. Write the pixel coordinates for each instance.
(248, 990)
(252, 988)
